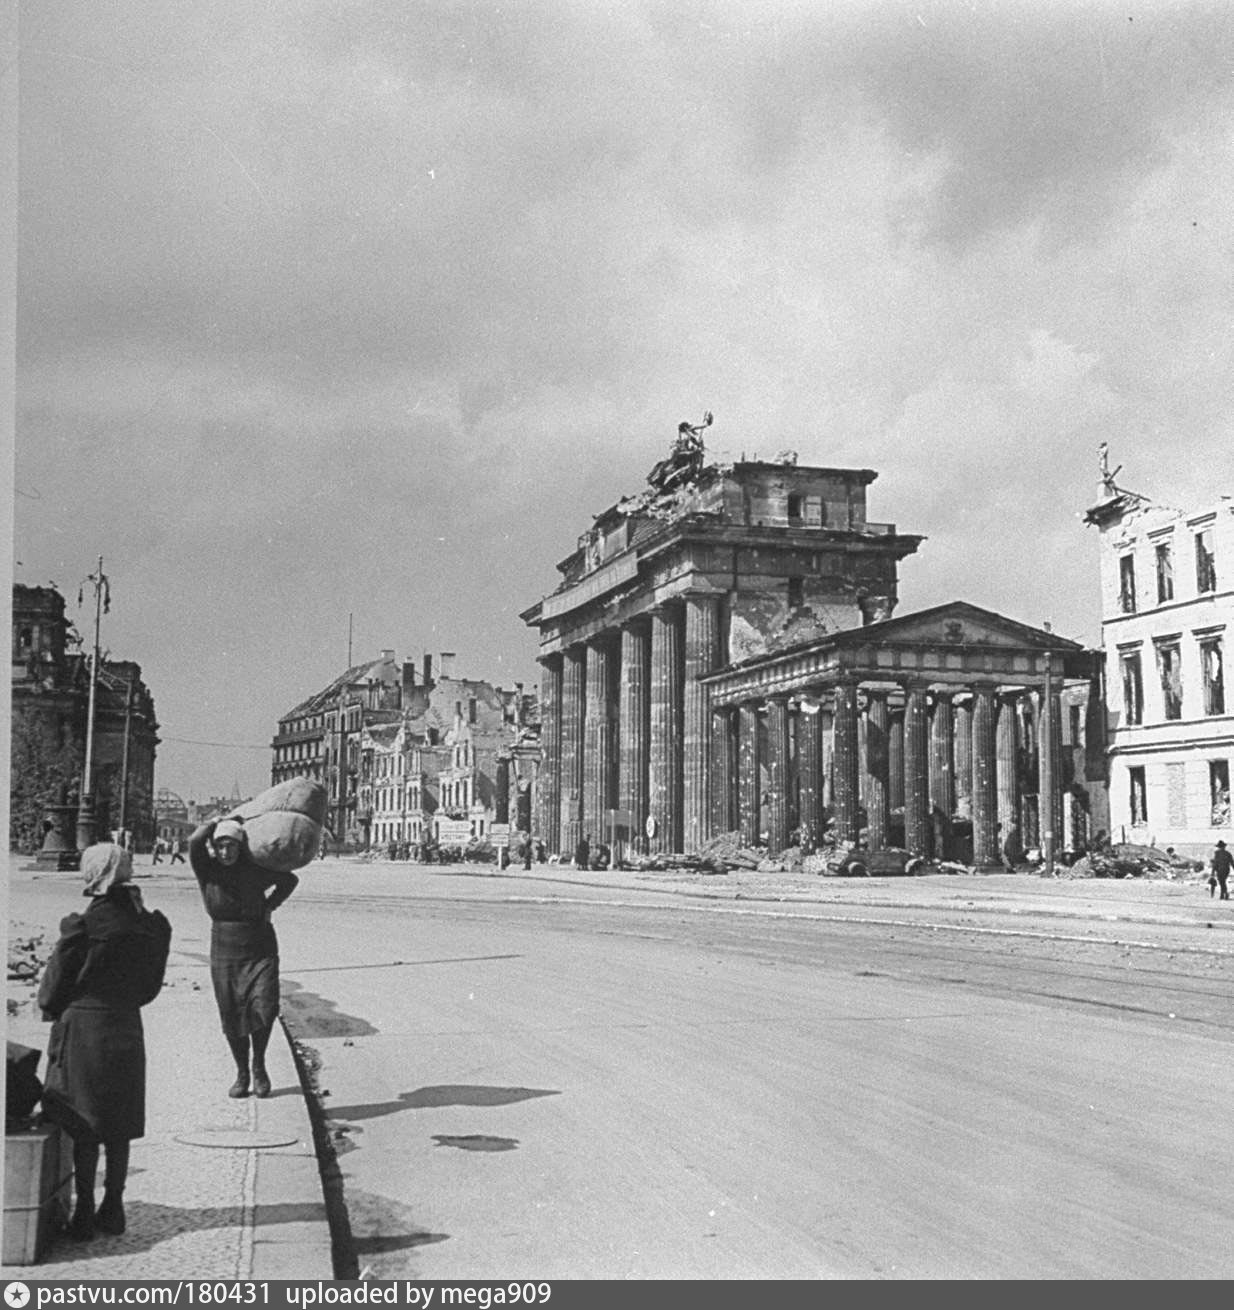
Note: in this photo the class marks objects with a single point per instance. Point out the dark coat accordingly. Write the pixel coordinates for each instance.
(108, 963)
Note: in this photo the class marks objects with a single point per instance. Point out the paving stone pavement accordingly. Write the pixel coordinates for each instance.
(204, 1212)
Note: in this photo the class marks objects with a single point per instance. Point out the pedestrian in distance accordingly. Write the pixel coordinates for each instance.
(177, 850)
(240, 896)
(582, 852)
(157, 856)
(107, 964)
(1222, 863)
(528, 851)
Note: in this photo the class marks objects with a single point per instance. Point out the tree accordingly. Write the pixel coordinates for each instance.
(46, 770)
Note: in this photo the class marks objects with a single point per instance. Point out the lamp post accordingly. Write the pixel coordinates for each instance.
(85, 808)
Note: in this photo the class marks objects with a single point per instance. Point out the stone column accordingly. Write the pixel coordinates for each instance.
(777, 774)
(598, 746)
(895, 759)
(916, 771)
(985, 783)
(1007, 762)
(548, 780)
(633, 730)
(701, 654)
(501, 801)
(941, 761)
(723, 773)
(878, 809)
(1050, 800)
(846, 766)
(664, 772)
(963, 746)
(573, 680)
(810, 774)
(748, 768)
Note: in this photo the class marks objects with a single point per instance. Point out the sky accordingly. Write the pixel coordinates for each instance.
(342, 318)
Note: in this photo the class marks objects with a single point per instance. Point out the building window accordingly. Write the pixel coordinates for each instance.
(1205, 562)
(794, 509)
(815, 512)
(1139, 797)
(1075, 714)
(796, 593)
(1133, 689)
(1126, 584)
(1169, 668)
(1213, 675)
(1219, 791)
(1165, 572)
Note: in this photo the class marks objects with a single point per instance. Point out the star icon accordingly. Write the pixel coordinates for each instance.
(17, 1295)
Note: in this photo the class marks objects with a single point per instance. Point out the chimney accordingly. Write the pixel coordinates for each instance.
(428, 672)
(409, 675)
(447, 663)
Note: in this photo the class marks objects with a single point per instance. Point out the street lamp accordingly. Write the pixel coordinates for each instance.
(85, 808)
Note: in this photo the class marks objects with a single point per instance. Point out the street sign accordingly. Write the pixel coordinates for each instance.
(453, 832)
(499, 834)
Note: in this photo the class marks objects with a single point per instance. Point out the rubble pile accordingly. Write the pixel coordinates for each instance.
(1127, 860)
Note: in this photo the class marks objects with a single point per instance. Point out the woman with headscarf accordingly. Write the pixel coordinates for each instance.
(108, 963)
(240, 896)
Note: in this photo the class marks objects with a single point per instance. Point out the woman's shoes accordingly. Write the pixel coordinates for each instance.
(110, 1217)
(240, 1087)
(81, 1226)
(261, 1083)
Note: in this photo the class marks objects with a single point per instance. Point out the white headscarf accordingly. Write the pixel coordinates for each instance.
(103, 865)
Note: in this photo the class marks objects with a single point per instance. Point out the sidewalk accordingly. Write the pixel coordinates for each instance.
(217, 1189)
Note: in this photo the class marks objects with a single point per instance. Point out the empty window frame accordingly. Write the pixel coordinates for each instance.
(1126, 584)
(1075, 716)
(1165, 572)
(1219, 793)
(1212, 675)
(1138, 796)
(1205, 561)
(1133, 688)
(1169, 671)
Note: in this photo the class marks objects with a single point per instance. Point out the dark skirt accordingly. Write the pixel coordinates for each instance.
(95, 1087)
(244, 968)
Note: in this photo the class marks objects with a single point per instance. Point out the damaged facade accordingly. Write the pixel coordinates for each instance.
(1167, 603)
(723, 655)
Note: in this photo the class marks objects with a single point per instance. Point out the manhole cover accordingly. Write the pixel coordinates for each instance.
(235, 1139)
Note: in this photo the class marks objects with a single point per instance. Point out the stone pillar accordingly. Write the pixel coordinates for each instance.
(878, 809)
(1050, 800)
(701, 654)
(776, 817)
(941, 760)
(826, 734)
(664, 773)
(548, 780)
(634, 729)
(501, 801)
(985, 783)
(810, 775)
(847, 765)
(723, 773)
(573, 676)
(895, 759)
(598, 746)
(748, 769)
(1028, 770)
(916, 772)
(962, 742)
(1007, 763)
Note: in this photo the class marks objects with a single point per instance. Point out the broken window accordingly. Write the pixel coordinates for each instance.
(794, 509)
(1126, 584)
(1219, 791)
(1169, 667)
(1133, 689)
(1165, 572)
(1213, 675)
(1075, 714)
(1139, 797)
(1205, 562)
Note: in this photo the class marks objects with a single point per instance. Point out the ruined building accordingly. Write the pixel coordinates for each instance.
(1167, 603)
(721, 653)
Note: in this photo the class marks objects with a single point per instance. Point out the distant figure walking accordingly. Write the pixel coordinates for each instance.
(244, 950)
(158, 851)
(1222, 863)
(582, 852)
(108, 963)
(177, 850)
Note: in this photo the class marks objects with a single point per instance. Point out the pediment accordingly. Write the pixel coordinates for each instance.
(958, 624)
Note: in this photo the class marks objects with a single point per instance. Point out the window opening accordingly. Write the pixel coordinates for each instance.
(1126, 584)
(1133, 689)
(1205, 562)
(1219, 792)
(1165, 573)
(1169, 667)
(1139, 797)
(1213, 674)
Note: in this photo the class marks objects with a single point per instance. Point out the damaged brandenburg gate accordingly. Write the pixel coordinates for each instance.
(721, 655)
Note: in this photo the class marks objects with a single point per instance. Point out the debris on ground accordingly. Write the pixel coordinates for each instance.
(1128, 860)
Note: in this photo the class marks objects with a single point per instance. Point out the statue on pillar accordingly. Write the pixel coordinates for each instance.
(685, 462)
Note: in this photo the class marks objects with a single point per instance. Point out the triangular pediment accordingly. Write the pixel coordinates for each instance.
(956, 624)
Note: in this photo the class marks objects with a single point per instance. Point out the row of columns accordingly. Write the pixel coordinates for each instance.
(628, 726)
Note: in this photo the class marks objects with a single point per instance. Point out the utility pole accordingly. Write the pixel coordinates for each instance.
(85, 808)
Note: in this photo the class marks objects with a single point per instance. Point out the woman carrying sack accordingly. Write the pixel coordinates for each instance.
(108, 963)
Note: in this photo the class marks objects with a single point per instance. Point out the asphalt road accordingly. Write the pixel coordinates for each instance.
(527, 1082)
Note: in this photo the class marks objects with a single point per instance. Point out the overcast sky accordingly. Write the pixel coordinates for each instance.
(365, 307)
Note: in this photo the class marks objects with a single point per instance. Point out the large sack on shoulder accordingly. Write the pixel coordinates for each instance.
(283, 824)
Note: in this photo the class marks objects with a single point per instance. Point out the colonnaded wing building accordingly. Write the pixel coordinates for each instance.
(721, 654)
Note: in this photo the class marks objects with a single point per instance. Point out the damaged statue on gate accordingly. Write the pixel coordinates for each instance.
(685, 462)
